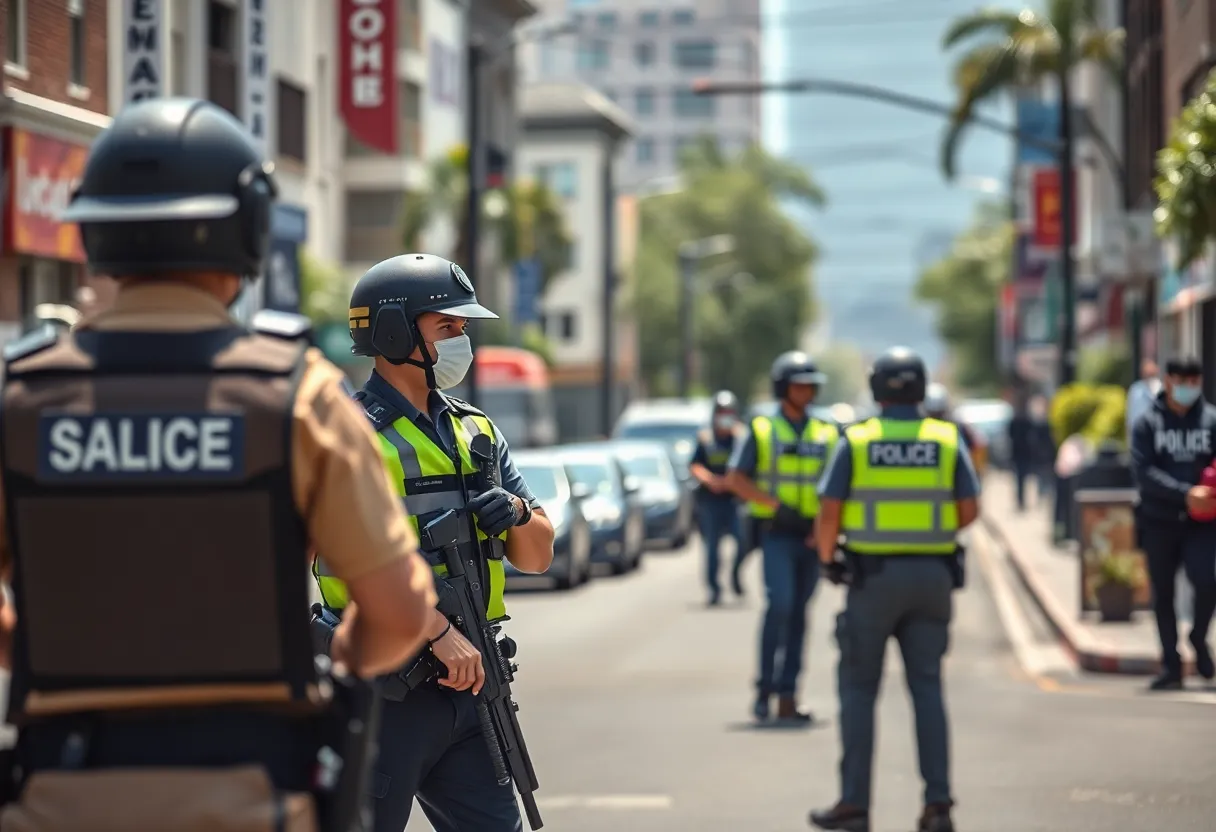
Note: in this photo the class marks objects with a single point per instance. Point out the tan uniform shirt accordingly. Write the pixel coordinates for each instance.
(341, 487)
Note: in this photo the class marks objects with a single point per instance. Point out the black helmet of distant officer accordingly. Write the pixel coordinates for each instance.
(898, 377)
(725, 416)
(412, 310)
(796, 381)
(176, 189)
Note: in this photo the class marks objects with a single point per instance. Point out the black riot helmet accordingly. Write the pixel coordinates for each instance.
(387, 300)
(898, 377)
(794, 367)
(174, 184)
(725, 402)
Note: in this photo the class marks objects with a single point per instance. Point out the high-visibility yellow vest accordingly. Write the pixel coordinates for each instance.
(901, 498)
(426, 480)
(788, 465)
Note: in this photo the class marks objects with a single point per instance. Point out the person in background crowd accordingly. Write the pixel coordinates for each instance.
(1031, 449)
(1171, 445)
(717, 509)
(1142, 393)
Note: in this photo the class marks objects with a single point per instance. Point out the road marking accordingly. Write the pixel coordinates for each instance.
(609, 802)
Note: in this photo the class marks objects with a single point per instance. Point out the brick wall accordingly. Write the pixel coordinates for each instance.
(48, 57)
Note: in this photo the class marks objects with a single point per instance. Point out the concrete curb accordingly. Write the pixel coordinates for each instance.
(1089, 653)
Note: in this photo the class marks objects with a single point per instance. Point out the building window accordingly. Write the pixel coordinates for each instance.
(683, 143)
(411, 119)
(645, 150)
(648, 18)
(221, 55)
(76, 43)
(643, 53)
(606, 20)
(561, 178)
(568, 326)
(409, 25)
(593, 54)
(292, 122)
(690, 105)
(695, 54)
(177, 62)
(373, 225)
(643, 101)
(683, 17)
(16, 33)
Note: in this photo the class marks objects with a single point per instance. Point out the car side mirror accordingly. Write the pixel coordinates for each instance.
(579, 491)
(632, 485)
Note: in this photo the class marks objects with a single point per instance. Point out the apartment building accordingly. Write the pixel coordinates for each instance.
(53, 102)
(644, 55)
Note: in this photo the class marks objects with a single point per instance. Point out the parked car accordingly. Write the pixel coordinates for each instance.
(609, 500)
(990, 418)
(673, 422)
(667, 504)
(572, 546)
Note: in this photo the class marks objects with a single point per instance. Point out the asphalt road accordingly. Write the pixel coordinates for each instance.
(635, 702)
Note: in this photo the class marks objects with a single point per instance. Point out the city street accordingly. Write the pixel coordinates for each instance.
(635, 701)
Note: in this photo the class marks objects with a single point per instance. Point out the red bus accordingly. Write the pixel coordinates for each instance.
(513, 389)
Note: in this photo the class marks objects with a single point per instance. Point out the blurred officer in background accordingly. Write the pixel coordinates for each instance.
(410, 313)
(1171, 445)
(938, 406)
(173, 469)
(717, 512)
(776, 468)
(900, 487)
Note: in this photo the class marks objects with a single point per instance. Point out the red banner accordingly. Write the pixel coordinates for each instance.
(1048, 211)
(367, 72)
(44, 174)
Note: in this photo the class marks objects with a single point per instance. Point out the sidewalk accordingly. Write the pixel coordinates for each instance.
(1052, 576)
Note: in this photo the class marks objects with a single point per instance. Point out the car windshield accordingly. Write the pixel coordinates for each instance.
(597, 476)
(644, 467)
(542, 479)
(670, 432)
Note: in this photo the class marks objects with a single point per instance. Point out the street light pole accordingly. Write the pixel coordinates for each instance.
(688, 267)
(475, 174)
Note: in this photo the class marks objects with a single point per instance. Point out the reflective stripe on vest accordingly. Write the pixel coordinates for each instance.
(788, 466)
(901, 498)
(426, 480)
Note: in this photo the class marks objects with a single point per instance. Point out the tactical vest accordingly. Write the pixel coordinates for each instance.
(159, 559)
(901, 499)
(428, 481)
(788, 465)
(716, 456)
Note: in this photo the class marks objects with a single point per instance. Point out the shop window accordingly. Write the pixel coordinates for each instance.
(76, 43)
(16, 32)
(221, 55)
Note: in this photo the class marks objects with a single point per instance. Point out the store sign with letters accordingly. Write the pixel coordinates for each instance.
(44, 173)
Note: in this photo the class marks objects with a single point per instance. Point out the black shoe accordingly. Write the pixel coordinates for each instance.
(843, 818)
(936, 818)
(787, 712)
(715, 598)
(1203, 659)
(1168, 680)
(760, 710)
(736, 584)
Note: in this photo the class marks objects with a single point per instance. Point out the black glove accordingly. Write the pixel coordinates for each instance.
(789, 521)
(496, 510)
(837, 572)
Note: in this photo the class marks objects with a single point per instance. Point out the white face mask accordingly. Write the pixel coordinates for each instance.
(453, 358)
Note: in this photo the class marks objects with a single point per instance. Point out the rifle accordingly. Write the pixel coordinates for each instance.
(495, 706)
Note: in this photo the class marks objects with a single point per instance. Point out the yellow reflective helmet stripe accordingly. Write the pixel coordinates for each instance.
(789, 465)
(902, 509)
(425, 478)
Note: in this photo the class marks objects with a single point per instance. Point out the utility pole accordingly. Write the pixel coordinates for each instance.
(688, 268)
(475, 172)
(1068, 222)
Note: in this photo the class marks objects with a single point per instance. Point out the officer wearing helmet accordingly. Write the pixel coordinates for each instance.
(716, 510)
(776, 469)
(899, 487)
(409, 313)
(167, 471)
(938, 406)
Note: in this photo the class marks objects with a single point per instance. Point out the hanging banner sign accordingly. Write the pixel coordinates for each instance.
(255, 73)
(143, 60)
(367, 81)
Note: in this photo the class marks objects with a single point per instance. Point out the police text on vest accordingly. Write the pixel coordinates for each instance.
(135, 446)
(904, 454)
(1183, 445)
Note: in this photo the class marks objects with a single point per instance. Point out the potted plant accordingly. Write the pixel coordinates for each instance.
(1118, 576)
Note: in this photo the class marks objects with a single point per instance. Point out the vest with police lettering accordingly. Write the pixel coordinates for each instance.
(901, 497)
(157, 548)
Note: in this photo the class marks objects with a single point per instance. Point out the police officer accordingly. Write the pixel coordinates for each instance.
(1171, 445)
(937, 406)
(776, 468)
(410, 313)
(900, 487)
(716, 510)
(166, 472)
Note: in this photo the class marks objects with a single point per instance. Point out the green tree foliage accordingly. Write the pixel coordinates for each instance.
(1024, 50)
(1111, 364)
(1186, 178)
(964, 289)
(1096, 411)
(324, 290)
(530, 223)
(846, 370)
(751, 304)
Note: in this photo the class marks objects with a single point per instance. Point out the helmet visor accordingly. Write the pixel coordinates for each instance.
(474, 311)
(151, 208)
(807, 377)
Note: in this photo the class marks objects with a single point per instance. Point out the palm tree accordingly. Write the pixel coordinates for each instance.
(529, 224)
(1186, 180)
(1024, 51)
